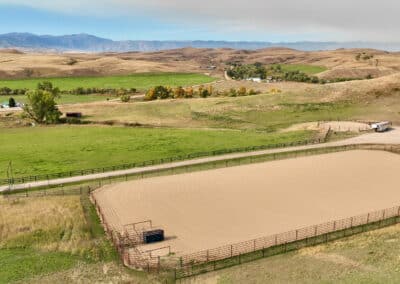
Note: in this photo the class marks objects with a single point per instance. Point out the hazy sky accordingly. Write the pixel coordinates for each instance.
(260, 20)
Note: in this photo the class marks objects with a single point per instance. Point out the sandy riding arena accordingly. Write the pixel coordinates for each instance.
(212, 208)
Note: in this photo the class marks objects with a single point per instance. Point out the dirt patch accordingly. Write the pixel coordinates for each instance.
(209, 209)
(337, 126)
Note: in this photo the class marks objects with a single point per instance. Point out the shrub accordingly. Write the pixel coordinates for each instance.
(125, 98)
(11, 102)
(204, 93)
(252, 92)
(242, 91)
(179, 93)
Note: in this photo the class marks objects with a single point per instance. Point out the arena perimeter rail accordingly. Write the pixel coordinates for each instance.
(233, 254)
(19, 180)
(229, 255)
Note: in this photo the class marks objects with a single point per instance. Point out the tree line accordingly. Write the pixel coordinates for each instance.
(276, 73)
(163, 92)
(6, 91)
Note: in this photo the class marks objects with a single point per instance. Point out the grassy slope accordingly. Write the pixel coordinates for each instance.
(138, 81)
(308, 69)
(44, 235)
(57, 239)
(262, 112)
(366, 258)
(53, 149)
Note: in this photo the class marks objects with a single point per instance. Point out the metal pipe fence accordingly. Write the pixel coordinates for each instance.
(221, 257)
(225, 256)
(233, 254)
(25, 179)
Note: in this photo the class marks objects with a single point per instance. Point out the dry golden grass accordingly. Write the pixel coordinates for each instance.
(29, 220)
(341, 63)
(371, 257)
(109, 272)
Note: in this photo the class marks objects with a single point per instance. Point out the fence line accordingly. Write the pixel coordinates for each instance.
(211, 259)
(223, 163)
(228, 255)
(18, 180)
(254, 245)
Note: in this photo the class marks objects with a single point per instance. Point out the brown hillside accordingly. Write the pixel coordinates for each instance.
(341, 63)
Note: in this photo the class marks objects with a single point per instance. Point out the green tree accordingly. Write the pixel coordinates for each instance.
(11, 102)
(41, 106)
(125, 98)
(162, 92)
(204, 93)
(48, 86)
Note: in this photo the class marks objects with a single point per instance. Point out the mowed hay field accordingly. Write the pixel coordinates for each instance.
(213, 208)
(139, 81)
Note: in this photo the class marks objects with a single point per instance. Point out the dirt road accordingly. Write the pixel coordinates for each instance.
(390, 137)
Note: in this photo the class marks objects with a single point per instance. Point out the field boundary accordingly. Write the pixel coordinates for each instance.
(180, 169)
(233, 254)
(126, 166)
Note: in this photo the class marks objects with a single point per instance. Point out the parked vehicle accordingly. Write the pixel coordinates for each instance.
(381, 126)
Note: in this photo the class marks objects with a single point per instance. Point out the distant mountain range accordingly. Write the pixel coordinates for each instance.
(90, 43)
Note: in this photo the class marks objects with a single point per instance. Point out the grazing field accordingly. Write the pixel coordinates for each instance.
(370, 257)
(208, 209)
(44, 150)
(139, 81)
(308, 69)
(263, 112)
(44, 235)
(56, 239)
